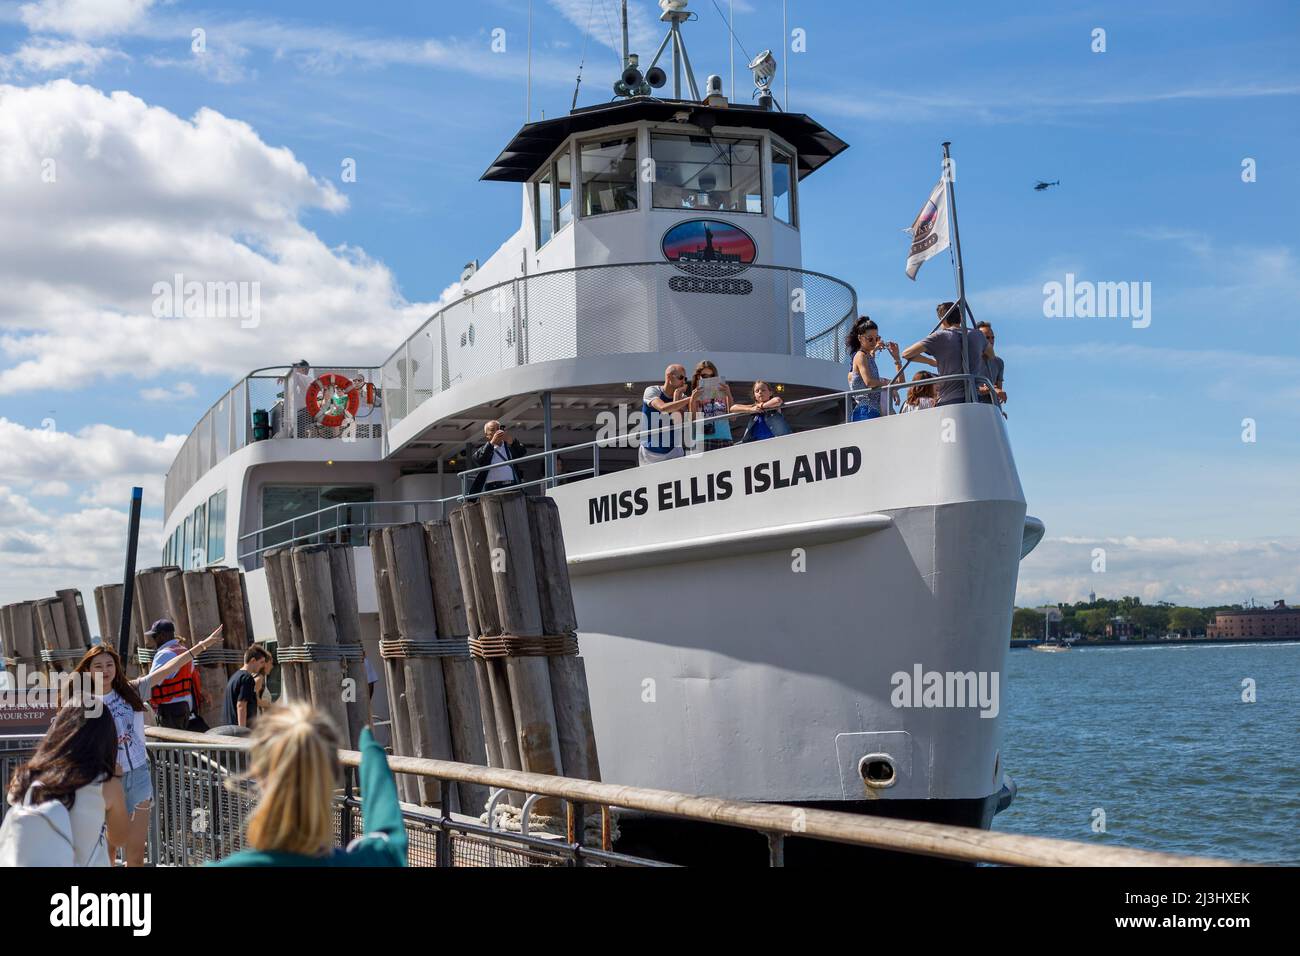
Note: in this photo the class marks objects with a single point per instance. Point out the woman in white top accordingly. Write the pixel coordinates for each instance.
(66, 805)
(124, 699)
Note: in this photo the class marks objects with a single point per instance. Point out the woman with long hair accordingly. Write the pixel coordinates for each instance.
(710, 401)
(920, 396)
(295, 767)
(124, 701)
(66, 804)
(863, 342)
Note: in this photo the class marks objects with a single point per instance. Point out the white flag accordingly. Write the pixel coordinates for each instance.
(929, 230)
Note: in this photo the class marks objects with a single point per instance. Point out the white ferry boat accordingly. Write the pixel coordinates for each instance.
(748, 615)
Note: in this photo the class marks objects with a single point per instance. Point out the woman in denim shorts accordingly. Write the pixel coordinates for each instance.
(123, 699)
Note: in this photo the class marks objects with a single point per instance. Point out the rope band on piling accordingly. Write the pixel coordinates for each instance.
(458, 647)
(510, 645)
(312, 653)
(61, 654)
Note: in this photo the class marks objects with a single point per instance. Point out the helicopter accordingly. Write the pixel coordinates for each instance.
(1040, 185)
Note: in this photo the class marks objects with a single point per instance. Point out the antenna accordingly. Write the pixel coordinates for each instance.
(528, 94)
(674, 14)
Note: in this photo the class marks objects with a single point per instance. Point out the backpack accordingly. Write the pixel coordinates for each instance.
(37, 834)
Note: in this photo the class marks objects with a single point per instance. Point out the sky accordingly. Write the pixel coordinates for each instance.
(144, 138)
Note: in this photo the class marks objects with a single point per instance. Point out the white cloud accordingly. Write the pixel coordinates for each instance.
(45, 55)
(110, 461)
(1195, 571)
(45, 551)
(139, 196)
(179, 391)
(643, 29)
(84, 17)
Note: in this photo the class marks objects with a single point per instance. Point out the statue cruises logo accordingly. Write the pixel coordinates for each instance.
(711, 252)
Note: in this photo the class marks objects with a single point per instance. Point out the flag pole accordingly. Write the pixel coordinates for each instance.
(961, 278)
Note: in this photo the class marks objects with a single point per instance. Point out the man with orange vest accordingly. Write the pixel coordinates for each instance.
(177, 699)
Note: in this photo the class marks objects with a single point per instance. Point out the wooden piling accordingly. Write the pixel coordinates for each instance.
(178, 606)
(293, 617)
(347, 622)
(74, 614)
(463, 714)
(398, 705)
(576, 731)
(279, 615)
(108, 612)
(506, 524)
(150, 602)
(230, 605)
(460, 543)
(311, 572)
(408, 567)
(201, 607)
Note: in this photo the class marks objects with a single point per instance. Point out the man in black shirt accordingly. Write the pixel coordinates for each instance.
(239, 705)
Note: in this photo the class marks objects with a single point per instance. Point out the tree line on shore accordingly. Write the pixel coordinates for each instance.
(1089, 619)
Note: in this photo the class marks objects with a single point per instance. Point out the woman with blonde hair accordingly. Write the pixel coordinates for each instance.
(295, 766)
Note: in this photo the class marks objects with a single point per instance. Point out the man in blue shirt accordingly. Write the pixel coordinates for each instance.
(661, 408)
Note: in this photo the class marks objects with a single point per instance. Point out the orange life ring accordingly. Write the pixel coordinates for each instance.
(332, 399)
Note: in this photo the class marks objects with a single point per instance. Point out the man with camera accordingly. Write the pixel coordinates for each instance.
(500, 451)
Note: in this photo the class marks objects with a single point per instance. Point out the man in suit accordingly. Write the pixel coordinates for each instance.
(500, 451)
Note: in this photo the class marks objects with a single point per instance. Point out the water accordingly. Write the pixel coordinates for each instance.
(1158, 738)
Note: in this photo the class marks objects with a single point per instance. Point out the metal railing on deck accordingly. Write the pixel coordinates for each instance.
(352, 522)
(197, 819)
(618, 309)
(231, 424)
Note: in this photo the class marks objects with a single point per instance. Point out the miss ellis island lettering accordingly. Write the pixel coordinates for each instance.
(721, 485)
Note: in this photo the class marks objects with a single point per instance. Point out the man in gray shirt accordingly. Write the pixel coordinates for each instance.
(945, 345)
(993, 368)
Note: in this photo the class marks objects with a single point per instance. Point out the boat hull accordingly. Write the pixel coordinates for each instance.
(772, 666)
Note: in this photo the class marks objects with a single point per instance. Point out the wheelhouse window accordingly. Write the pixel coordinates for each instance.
(544, 209)
(553, 199)
(784, 177)
(714, 173)
(217, 527)
(295, 508)
(608, 176)
(563, 176)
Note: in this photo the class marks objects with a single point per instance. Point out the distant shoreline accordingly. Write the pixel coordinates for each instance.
(1218, 642)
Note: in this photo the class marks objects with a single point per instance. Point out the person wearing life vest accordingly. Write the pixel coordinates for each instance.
(177, 699)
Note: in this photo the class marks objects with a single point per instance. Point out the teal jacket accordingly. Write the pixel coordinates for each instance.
(384, 841)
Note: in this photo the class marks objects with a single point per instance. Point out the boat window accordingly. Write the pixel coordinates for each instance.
(280, 503)
(198, 539)
(713, 173)
(183, 557)
(543, 210)
(608, 176)
(784, 178)
(564, 190)
(217, 527)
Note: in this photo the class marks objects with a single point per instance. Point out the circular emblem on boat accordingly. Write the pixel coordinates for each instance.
(709, 248)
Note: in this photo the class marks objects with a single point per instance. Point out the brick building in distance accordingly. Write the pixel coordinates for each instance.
(1276, 621)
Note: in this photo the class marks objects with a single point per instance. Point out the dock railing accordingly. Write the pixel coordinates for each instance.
(201, 804)
(352, 522)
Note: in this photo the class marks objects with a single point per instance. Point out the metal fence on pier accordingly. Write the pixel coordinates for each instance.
(201, 805)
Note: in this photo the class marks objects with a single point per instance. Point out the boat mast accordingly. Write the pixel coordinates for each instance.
(963, 309)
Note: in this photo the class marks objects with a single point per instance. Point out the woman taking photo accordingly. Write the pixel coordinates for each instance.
(65, 804)
(124, 701)
(863, 342)
(295, 767)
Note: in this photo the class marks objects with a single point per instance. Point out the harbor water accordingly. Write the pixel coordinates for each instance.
(1160, 740)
